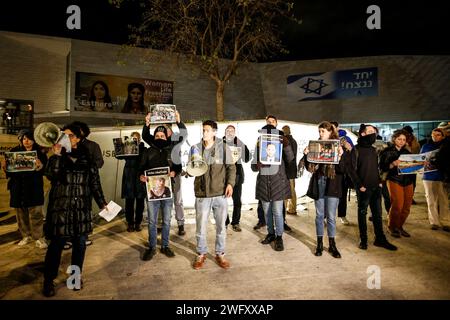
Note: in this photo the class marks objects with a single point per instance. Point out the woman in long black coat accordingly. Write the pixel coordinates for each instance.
(133, 190)
(27, 193)
(74, 179)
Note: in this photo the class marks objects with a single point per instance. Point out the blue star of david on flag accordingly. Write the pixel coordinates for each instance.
(314, 86)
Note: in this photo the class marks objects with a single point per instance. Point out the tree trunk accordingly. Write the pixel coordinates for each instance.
(220, 86)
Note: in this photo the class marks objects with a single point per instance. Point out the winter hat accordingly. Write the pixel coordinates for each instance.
(160, 129)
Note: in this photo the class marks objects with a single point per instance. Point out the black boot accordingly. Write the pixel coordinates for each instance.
(279, 244)
(181, 231)
(319, 248)
(332, 248)
(268, 239)
(48, 289)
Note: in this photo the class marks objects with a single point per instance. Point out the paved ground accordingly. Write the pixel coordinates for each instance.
(114, 269)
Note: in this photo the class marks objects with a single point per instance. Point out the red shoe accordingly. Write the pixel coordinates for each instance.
(199, 262)
(222, 262)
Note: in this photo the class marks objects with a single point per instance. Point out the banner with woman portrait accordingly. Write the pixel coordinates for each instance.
(114, 94)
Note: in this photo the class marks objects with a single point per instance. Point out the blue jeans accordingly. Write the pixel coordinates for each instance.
(325, 206)
(273, 210)
(152, 210)
(203, 206)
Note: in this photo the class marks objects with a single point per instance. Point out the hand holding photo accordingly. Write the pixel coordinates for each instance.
(323, 151)
(20, 161)
(417, 163)
(126, 148)
(163, 113)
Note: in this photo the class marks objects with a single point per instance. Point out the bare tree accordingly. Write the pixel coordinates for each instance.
(217, 36)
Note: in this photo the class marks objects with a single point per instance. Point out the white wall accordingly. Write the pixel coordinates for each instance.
(247, 131)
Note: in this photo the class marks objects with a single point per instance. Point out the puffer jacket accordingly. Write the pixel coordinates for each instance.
(27, 188)
(389, 155)
(272, 183)
(73, 184)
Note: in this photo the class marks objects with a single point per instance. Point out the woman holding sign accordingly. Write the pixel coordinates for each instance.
(325, 186)
(75, 179)
(27, 191)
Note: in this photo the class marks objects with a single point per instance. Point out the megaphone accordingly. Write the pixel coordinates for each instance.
(197, 166)
(47, 134)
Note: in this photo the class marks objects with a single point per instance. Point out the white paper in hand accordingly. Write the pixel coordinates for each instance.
(64, 141)
(113, 210)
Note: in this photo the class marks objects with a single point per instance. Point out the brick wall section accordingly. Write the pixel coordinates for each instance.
(34, 68)
(411, 88)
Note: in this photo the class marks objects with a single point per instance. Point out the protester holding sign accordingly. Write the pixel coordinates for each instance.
(27, 192)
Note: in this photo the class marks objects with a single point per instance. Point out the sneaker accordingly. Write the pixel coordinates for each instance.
(199, 261)
(384, 244)
(220, 259)
(344, 221)
(48, 289)
(236, 228)
(88, 242)
(287, 228)
(259, 225)
(279, 244)
(404, 233)
(434, 227)
(24, 241)
(168, 252)
(149, 254)
(41, 244)
(446, 228)
(181, 231)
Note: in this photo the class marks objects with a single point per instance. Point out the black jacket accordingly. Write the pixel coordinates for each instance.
(74, 183)
(132, 187)
(291, 167)
(363, 168)
(389, 155)
(272, 183)
(245, 155)
(94, 152)
(27, 188)
(333, 186)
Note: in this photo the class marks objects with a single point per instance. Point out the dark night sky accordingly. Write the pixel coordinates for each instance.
(330, 28)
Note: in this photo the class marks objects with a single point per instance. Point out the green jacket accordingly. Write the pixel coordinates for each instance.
(221, 171)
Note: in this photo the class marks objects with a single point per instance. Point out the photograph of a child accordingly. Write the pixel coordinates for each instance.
(20, 161)
(158, 184)
(163, 113)
(323, 151)
(271, 149)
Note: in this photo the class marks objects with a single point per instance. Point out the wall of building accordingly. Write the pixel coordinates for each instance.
(34, 68)
(411, 88)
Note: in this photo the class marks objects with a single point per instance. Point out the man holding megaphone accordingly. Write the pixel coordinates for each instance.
(211, 191)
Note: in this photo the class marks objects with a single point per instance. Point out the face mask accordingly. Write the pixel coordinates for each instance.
(370, 138)
(160, 143)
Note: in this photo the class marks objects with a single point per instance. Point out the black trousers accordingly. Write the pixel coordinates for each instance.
(386, 197)
(342, 206)
(237, 205)
(134, 216)
(54, 252)
(371, 197)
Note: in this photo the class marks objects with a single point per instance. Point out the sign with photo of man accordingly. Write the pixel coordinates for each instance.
(20, 161)
(126, 148)
(323, 151)
(158, 184)
(271, 149)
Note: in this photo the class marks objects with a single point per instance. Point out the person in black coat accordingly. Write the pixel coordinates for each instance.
(133, 190)
(272, 188)
(325, 187)
(27, 193)
(363, 170)
(291, 171)
(232, 140)
(74, 180)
